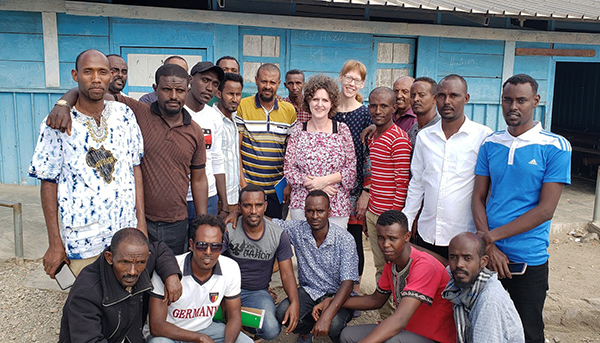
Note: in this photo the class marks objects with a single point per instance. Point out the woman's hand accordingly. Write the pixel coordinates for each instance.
(316, 182)
(330, 190)
(320, 182)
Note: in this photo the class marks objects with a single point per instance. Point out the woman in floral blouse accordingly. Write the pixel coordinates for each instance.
(320, 153)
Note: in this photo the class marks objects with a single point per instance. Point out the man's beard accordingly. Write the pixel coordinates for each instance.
(464, 285)
(169, 111)
(265, 99)
(467, 284)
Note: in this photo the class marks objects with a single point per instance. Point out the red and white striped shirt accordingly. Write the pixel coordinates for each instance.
(390, 165)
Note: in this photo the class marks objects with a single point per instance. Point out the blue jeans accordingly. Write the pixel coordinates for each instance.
(213, 204)
(262, 300)
(306, 321)
(216, 331)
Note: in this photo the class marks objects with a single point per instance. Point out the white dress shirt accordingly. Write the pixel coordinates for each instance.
(443, 178)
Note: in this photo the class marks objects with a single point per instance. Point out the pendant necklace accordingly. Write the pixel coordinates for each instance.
(97, 132)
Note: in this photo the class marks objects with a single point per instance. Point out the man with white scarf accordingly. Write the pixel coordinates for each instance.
(483, 310)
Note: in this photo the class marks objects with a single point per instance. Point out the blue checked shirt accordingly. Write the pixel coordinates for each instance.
(321, 270)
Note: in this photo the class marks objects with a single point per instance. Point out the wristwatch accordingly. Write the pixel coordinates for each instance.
(62, 102)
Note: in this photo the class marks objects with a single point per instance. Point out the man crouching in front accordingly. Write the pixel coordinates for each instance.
(416, 280)
(106, 302)
(208, 280)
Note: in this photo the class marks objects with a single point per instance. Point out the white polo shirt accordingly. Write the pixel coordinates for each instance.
(443, 177)
(199, 301)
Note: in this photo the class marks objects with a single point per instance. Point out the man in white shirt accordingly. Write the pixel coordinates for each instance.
(229, 95)
(209, 280)
(205, 79)
(443, 164)
(90, 172)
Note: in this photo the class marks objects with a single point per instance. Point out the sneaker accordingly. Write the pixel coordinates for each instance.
(306, 339)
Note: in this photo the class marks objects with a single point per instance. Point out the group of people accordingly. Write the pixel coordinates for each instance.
(168, 208)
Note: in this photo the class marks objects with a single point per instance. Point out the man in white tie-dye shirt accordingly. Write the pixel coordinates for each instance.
(90, 176)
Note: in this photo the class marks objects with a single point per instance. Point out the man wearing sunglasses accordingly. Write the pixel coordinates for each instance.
(208, 281)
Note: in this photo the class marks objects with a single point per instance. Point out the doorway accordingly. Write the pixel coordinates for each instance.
(576, 113)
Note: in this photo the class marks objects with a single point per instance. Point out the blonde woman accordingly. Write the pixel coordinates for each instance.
(353, 113)
(320, 154)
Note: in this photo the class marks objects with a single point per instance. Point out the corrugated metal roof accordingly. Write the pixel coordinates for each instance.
(543, 9)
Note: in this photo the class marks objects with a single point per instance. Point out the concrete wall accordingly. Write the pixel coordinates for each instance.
(38, 49)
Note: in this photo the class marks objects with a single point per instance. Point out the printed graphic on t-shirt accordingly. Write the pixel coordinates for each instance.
(207, 138)
(191, 313)
(214, 296)
(102, 161)
(246, 250)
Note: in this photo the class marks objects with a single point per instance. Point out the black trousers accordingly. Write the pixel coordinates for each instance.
(528, 292)
(307, 322)
(357, 232)
(175, 234)
(441, 250)
(274, 207)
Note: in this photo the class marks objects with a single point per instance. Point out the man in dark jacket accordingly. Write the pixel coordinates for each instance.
(106, 303)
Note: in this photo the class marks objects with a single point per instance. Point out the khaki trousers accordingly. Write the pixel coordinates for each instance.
(78, 265)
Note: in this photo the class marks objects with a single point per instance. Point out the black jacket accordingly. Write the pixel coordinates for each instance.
(99, 309)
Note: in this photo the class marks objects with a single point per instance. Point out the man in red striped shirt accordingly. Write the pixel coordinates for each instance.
(390, 164)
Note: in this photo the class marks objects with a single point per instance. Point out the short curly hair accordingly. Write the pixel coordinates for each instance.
(327, 83)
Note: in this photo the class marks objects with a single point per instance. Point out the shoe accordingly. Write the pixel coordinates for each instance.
(307, 339)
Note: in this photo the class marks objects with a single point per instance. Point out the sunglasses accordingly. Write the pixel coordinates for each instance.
(214, 247)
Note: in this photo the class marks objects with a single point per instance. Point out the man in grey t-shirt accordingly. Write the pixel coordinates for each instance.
(483, 310)
(255, 244)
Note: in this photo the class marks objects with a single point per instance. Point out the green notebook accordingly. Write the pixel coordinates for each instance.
(251, 317)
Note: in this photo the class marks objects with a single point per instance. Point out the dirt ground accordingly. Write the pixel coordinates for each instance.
(572, 312)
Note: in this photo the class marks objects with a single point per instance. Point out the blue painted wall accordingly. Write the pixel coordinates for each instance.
(25, 101)
(480, 62)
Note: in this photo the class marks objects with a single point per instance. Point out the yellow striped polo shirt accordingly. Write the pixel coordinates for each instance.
(264, 138)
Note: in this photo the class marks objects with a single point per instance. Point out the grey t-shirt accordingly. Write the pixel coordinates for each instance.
(256, 257)
(412, 132)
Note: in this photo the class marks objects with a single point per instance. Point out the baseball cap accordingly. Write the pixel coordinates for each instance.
(203, 66)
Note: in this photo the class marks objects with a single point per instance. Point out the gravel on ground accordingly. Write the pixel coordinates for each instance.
(572, 311)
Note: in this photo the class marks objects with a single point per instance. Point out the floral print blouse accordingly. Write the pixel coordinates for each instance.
(321, 154)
